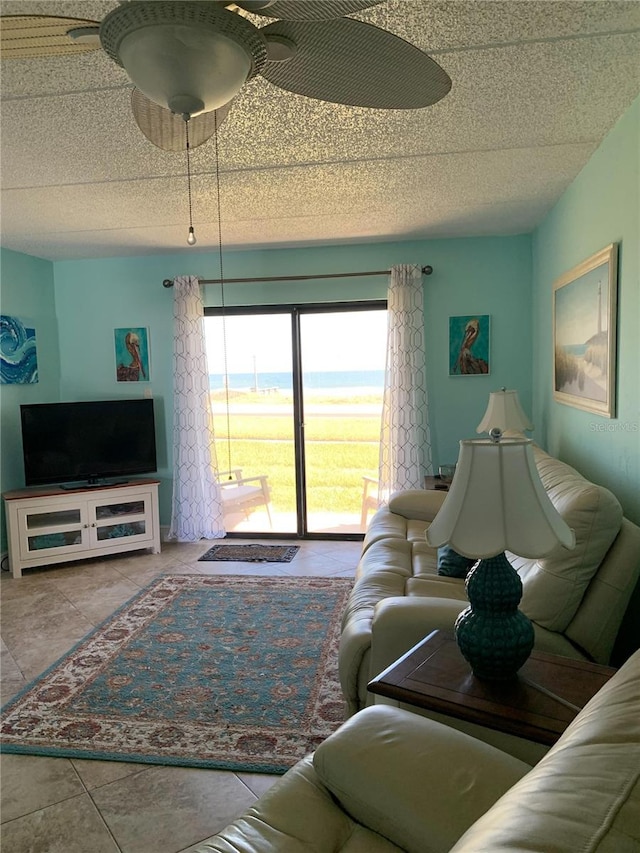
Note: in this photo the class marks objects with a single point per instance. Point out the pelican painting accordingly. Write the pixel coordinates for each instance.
(469, 345)
(132, 355)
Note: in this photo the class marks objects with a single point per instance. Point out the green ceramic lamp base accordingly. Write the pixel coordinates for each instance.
(493, 635)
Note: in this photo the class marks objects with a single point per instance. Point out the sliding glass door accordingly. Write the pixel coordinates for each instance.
(342, 360)
(297, 397)
(251, 380)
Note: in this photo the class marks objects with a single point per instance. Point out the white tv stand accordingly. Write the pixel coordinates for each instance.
(53, 525)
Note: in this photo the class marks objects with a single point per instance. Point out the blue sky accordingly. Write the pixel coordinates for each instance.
(338, 341)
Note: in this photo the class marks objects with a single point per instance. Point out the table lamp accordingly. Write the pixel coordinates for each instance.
(504, 412)
(497, 502)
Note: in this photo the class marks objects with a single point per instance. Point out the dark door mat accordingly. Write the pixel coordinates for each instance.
(252, 553)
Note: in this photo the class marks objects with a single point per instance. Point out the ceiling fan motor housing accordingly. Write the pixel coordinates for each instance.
(188, 57)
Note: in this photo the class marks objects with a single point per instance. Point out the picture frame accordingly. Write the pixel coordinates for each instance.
(132, 354)
(584, 334)
(18, 351)
(470, 345)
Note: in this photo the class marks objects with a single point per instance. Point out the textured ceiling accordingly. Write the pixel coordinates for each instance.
(536, 86)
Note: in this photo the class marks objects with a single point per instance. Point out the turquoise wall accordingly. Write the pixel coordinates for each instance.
(27, 293)
(487, 275)
(599, 208)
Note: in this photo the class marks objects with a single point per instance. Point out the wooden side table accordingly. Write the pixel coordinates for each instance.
(436, 483)
(537, 705)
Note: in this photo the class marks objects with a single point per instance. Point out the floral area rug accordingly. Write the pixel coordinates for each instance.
(253, 553)
(230, 672)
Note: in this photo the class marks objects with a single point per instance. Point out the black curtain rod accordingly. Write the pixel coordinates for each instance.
(168, 282)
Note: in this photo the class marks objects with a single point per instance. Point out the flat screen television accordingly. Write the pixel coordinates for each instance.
(87, 441)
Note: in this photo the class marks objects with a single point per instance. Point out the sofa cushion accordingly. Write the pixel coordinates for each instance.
(424, 559)
(389, 525)
(437, 587)
(553, 586)
(453, 565)
(381, 572)
(384, 766)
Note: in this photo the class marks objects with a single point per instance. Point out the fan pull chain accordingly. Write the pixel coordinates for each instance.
(221, 277)
(191, 239)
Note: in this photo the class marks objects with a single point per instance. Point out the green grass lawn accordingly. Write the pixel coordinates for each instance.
(339, 452)
(317, 427)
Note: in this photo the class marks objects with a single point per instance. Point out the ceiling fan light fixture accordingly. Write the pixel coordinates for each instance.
(165, 63)
(176, 53)
(186, 105)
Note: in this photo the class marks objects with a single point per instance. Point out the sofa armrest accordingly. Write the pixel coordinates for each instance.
(585, 793)
(400, 623)
(422, 504)
(296, 815)
(385, 768)
(355, 644)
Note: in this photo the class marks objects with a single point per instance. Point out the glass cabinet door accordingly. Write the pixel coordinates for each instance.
(53, 527)
(123, 519)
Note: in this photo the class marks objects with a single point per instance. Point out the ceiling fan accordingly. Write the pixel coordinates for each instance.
(188, 60)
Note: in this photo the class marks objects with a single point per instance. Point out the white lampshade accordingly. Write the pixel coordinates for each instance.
(504, 412)
(497, 503)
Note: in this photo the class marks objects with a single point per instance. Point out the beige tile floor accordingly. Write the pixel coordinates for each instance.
(59, 805)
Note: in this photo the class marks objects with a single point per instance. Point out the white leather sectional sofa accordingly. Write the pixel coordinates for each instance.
(576, 599)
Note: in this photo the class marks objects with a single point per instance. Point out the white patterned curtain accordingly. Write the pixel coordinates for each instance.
(196, 510)
(405, 439)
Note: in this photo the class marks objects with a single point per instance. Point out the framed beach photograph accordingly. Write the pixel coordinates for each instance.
(132, 354)
(469, 341)
(584, 334)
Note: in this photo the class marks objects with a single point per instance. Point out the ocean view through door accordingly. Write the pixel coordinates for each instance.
(296, 412)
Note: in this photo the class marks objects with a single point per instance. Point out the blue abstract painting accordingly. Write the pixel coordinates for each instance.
(18, 357)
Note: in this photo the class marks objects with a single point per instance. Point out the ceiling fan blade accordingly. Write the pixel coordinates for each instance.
(303, 10)
(25, 36)
(349, 62)
(167, 130)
